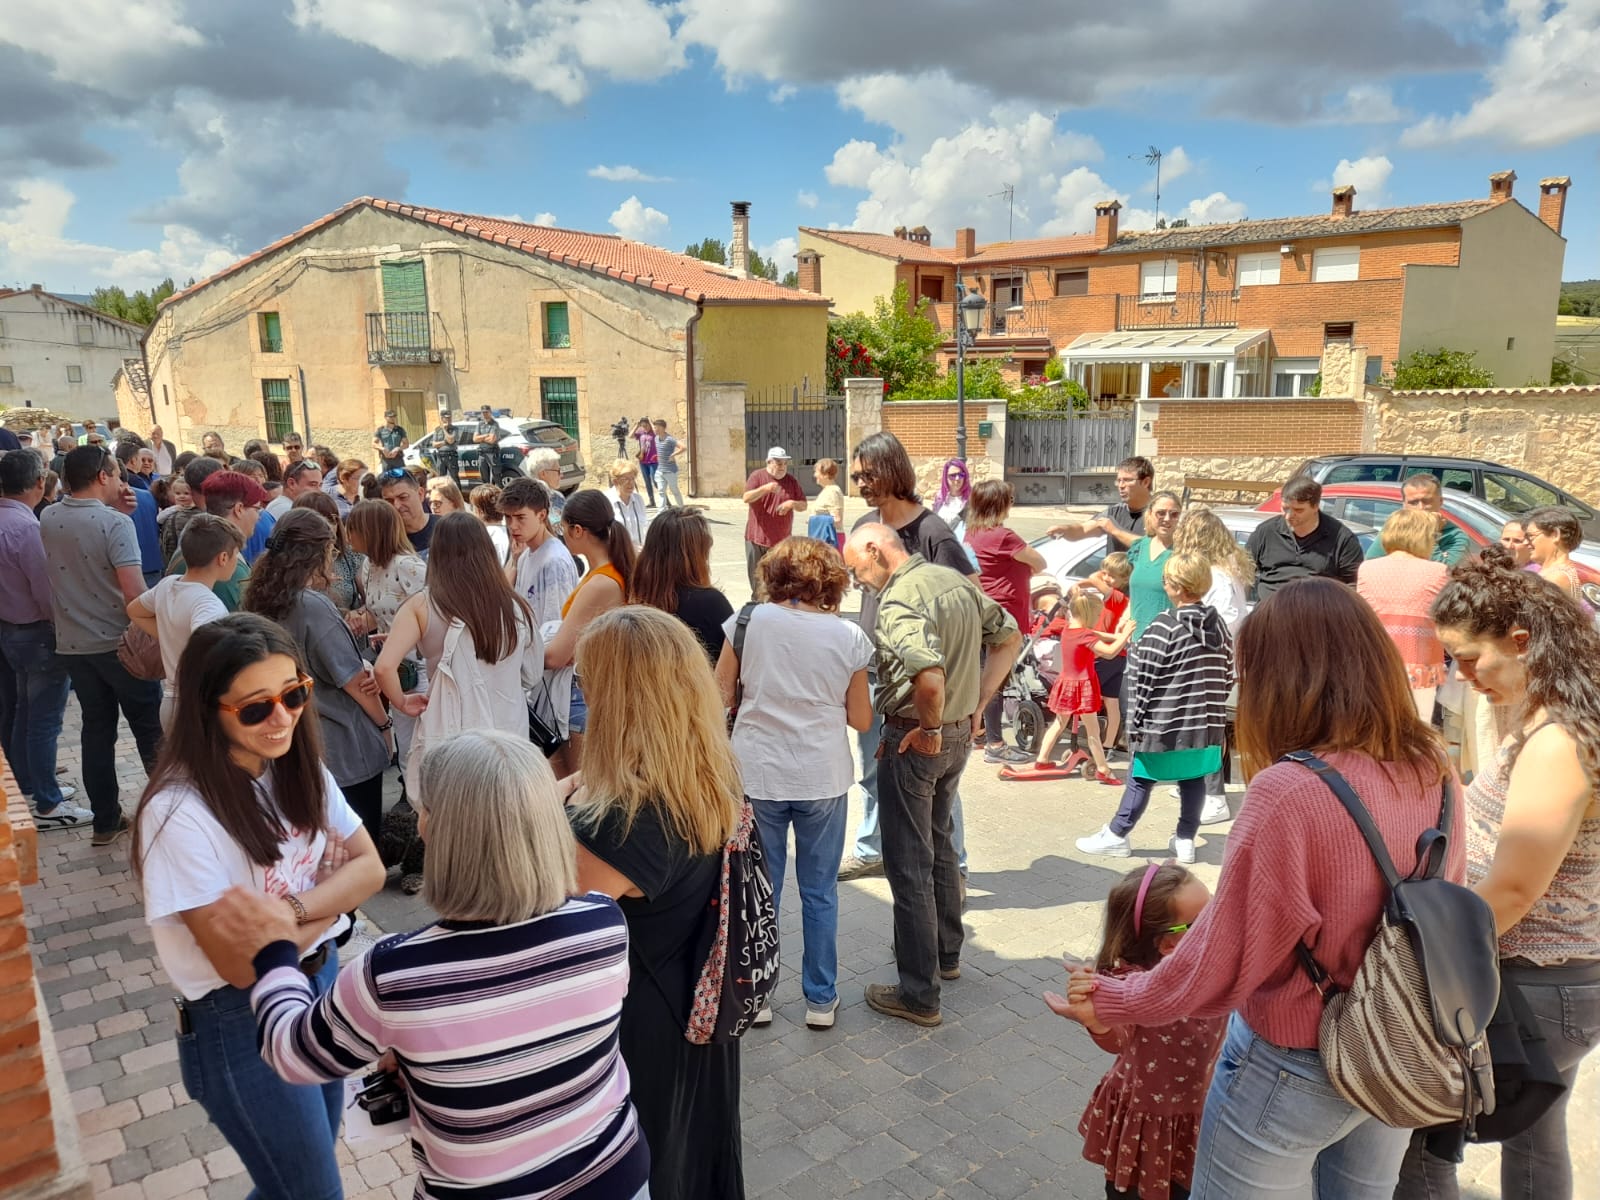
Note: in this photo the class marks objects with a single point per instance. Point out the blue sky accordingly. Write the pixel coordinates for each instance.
(142, 138)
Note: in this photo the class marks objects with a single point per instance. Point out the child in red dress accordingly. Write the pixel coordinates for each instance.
(1111, 581)
(1143, 1121)
(1077, 689)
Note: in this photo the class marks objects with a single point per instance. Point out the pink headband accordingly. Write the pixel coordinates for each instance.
(1144, 888)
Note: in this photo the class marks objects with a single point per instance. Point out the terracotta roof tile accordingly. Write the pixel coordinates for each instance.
(887, 245)
(1274, 229)
(602, 253)
(998, 253)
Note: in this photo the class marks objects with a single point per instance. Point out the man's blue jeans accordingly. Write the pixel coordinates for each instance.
(916, 794)
(103, 686)
(284, 1133)
(1274, 1126)
(869, 840)
(818, 843)
(29, 651)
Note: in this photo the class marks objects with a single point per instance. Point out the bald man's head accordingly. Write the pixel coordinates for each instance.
(872, 554)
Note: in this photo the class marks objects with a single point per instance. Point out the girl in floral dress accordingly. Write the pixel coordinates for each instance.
(1143, 1120)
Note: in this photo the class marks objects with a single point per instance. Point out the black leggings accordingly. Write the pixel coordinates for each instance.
(366, 798)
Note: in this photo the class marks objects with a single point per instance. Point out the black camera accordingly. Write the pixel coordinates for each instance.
(620, 432)
(384, 1100)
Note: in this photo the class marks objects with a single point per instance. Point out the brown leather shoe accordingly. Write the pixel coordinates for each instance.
(885, 998)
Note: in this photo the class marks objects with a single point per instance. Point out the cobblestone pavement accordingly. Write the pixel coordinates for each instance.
(984, 1107)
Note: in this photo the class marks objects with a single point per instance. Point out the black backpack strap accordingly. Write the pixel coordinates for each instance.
(1346, 796)
(739, 628)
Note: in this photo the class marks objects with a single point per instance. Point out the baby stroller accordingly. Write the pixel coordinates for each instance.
(1026, 691)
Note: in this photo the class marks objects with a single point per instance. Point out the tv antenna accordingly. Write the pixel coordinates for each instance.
(1009, 191)
(1152, 158)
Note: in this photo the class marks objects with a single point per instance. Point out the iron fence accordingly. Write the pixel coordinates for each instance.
(1060, 458)
(809, 425)
(1179, 310)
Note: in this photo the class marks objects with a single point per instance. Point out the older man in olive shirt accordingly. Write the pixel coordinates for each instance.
(931, 629)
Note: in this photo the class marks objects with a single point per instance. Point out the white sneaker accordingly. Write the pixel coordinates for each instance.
(1216, 811)
(1105, 842)
(1183, 849)
(820, 1018)
(65, 815)
(764, 1017)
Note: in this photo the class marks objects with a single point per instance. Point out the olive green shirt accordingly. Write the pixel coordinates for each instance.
(930, 616)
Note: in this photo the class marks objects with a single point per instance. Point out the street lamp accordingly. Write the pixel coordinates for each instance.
(970, 306)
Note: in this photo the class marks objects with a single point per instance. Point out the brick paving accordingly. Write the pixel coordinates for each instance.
(983, 1108)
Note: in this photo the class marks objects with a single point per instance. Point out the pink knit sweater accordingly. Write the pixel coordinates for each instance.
(1295, 868)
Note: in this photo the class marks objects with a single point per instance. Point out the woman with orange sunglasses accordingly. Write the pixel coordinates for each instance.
(241, 798)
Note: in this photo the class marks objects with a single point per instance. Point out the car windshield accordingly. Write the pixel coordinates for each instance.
(545, 435)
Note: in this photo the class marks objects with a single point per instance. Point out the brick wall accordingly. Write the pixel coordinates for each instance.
(927, 429)
(1254, 440)
(28, 1149)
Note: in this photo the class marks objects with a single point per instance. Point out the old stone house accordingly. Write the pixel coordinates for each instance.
(1239, 309)
(58, 354)
(388, 305)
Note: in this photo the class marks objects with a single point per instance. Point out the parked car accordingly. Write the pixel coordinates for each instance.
(519, 437)
(1070, 562)
(1371, 504)
(1506, 488)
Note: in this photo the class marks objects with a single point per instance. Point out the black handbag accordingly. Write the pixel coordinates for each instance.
(739, 627)
(543, 729)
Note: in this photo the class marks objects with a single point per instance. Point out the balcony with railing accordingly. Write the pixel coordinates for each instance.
(1018, 319)
(399, 338)
(1179, 310)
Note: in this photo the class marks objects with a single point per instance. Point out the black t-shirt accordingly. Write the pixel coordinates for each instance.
(705, 611)
(1281, 556)
(1124, 518)
(422, 538)
(925, 534)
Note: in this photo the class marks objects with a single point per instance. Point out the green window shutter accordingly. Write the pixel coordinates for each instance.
(271, 334)
(404, 287)
(278, 410)
(557, 330)
(560, 403)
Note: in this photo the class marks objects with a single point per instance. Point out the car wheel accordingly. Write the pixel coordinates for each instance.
(1029, 724)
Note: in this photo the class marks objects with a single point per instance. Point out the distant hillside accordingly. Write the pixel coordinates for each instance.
(1581, 298)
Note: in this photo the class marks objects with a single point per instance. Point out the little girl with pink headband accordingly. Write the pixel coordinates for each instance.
(1143, 1121)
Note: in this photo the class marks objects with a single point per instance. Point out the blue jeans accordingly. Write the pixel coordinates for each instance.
(869, 839)
(1274, 1127)
(1136, 798)
(818, 843)
(669, 484)
(28, 655)
(648, 470)
(284, 1133)
(103, 686)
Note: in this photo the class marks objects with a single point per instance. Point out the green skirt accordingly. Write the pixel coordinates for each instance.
(1173, 765)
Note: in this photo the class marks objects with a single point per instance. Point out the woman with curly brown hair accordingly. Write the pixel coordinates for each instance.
(673, 573)
(289, 585)
(804, 678)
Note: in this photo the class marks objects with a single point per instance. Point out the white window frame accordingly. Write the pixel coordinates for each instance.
(1163, 270)
(1301, 370)
(1258, 270)
(1336, 264)
(85, 335)
(71, 367)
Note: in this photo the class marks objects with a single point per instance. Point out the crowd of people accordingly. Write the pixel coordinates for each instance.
(583, 723)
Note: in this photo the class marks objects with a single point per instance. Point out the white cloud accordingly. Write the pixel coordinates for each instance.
(806, 199)
(1366, 104)
(636, 220)
(1368, 175)
(1175, 164)
(34, 248)
(622, 173)
(91, 39)
(1216, 209)
(780, 253)
(552, 46)
(545, 218)
(1541, 91)
(783, 93)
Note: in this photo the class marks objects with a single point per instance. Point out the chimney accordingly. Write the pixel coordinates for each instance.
(1344, 200)
(1105, 222)
(900, 232)
(921, 235)
(966, 242)
(37, 287)
(809, 264)
(739, 246)
(1500, 185)
(1553, 200)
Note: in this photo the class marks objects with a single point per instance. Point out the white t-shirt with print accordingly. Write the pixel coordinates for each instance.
(190, 861)
(791, 739)
(180, 609)
(547, 576)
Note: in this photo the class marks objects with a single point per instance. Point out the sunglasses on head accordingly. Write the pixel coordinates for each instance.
(395, 473)
(254, 712)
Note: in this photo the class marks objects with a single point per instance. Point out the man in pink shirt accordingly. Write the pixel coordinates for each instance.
(773, 496)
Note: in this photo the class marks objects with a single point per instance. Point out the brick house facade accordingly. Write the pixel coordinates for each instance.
(1479, 275)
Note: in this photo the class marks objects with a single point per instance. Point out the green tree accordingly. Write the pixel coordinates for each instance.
(708, 250)
(1424, 370)
(1563, 373)
(791, 279)
(902, 339)
(140, 308)
(985, 381)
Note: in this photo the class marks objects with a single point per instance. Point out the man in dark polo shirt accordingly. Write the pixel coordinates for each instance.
(1122, 522)
(1303, 542)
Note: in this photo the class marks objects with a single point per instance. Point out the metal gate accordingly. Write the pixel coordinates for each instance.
(1067, 458)
(806, 424)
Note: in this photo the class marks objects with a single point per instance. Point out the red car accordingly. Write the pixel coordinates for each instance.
(1371, 504)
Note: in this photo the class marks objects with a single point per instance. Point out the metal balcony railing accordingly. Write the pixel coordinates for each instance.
(401, 337)
(1179, 310)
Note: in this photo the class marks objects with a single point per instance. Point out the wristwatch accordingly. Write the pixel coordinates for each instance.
(386, 726)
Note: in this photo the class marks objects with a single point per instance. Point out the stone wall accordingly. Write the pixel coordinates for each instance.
(927, 429)
(1552, 432)
(716, 443)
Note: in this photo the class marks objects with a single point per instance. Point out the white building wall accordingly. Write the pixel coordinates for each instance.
(42, 336)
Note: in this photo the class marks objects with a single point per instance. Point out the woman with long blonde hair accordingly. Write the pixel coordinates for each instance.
(658, 799)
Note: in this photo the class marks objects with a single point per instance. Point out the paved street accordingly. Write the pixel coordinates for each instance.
(986, 1106)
